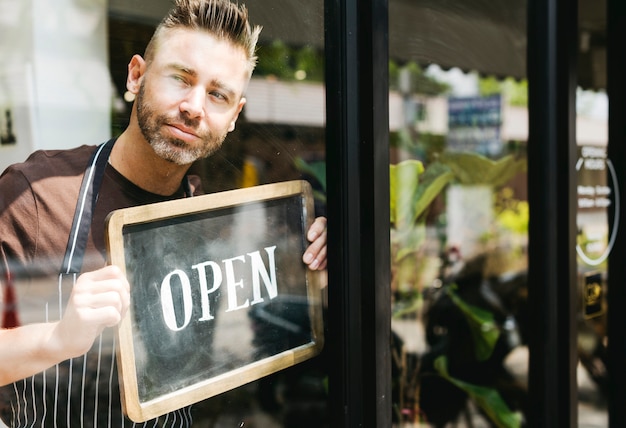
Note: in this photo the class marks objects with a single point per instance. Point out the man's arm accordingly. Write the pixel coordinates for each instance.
(99, 299)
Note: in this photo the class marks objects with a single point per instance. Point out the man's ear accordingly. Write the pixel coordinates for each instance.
(242, 102)
(136, 70)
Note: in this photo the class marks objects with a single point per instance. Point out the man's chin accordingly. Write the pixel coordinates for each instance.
(182, 159)
(175, 152)
(181, 153)
(178, 158)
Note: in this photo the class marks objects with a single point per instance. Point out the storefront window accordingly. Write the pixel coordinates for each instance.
(595, 199)
(459, 209)
(63, 84)
(279, 136)
(459, 249)
(460, 214)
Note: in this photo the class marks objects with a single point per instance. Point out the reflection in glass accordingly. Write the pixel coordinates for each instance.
(279, 136)
(459, 223)
(459, 218)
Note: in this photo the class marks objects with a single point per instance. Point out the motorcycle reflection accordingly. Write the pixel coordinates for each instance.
(448, 334)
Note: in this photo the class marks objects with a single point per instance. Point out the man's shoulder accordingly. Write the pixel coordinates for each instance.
(43, 163)
(77, 155)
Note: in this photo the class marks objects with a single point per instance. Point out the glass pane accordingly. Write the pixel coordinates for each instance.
(279, 136)
(459, 210)
(64, 84)
(595, 174)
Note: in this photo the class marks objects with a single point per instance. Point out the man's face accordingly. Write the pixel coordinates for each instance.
(190, 95)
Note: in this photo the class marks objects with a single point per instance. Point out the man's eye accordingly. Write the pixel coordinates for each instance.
(218, 95)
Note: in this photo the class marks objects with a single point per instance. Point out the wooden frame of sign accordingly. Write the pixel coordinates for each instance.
(219, 294)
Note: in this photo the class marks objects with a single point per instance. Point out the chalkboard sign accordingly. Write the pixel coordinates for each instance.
(219, 294)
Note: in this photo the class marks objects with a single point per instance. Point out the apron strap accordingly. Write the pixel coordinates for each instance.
(87, 198)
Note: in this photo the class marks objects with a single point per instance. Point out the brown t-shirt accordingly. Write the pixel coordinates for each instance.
(37, 204)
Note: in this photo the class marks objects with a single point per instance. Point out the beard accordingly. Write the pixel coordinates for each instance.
(173, 149)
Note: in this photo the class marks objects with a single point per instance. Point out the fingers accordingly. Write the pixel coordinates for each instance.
(99, 299)
(101, 281)
(315, 254)
(105, 308)
(315, 261)
(317, 229)
(106, 290)
(111, 272)
(103, 288)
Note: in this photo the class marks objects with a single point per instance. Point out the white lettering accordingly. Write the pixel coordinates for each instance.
(232, 284)
(603, 190)
(259, 271)
(585, 203)
(167, 302)
(204, 289)
(176, 287)
(594, 164)
(603, 202)
(586, 190)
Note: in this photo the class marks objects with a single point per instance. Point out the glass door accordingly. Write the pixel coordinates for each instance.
(463, 325)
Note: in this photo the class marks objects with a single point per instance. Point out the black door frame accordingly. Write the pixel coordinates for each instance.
(357, 158)
(356, 43)
(552, 286)
(616, 316)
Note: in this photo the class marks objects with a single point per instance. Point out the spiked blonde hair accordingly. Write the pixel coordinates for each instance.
(221, 18)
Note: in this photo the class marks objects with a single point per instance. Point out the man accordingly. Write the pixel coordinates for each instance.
(189, 91)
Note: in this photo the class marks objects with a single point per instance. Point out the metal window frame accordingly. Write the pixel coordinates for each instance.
(552, 288)
(616, 315)
(357, 157)
(357, 163)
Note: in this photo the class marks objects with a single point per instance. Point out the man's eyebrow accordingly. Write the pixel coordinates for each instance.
(183, 68)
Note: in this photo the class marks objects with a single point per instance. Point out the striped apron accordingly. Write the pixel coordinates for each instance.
(84, 391)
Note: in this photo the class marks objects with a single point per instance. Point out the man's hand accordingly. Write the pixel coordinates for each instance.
(99, 299)
(315, 254)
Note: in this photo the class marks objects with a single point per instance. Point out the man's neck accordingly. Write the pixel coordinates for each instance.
(135, 159)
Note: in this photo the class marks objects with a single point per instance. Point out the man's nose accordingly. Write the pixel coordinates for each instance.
(193, 103)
